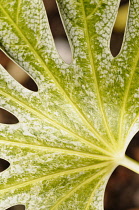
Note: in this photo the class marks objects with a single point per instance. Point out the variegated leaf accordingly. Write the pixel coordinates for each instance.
(74, 131)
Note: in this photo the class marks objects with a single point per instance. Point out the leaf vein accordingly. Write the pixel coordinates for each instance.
(126, 98)
(51, 176)
(95, 79)
(53, 149)
(18, 11)
(54, 123)
(76, 188)
(85, 120)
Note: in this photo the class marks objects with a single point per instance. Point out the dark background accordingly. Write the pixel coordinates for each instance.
(122, 192)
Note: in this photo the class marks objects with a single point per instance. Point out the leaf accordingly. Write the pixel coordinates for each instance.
(74, 131)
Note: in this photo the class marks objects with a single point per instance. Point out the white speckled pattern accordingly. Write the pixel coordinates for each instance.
(72, 132)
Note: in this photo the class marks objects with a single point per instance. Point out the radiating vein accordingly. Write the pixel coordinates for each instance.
(93, 12)
(78, 187)
(18, 10)
(54, 123)
(53, 176)
(53, 149)
(111, 138)
(85, 120)
(133, 68)
(130, 128)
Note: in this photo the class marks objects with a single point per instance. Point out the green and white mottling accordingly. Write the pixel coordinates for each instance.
(74, 131)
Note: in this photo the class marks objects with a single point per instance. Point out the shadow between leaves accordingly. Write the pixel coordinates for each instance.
(17, 207)
(119, 28)
(17, 73)
(4, 164)
(7, 117)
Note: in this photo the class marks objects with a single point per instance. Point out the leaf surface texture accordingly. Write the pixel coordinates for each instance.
(73, 132)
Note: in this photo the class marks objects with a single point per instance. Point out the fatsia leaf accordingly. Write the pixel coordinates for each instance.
(74, 131)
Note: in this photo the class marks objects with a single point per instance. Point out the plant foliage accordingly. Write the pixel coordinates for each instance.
(74, 131)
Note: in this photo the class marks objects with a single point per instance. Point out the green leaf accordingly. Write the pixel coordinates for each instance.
(74, 131)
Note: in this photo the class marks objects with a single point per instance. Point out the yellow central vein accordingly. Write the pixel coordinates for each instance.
(55, 124)
(77, 187)
(54, 149)
(53, 176)
(82, 116)
(95, 79)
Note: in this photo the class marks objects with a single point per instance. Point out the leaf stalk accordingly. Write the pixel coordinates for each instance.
(130, 164)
